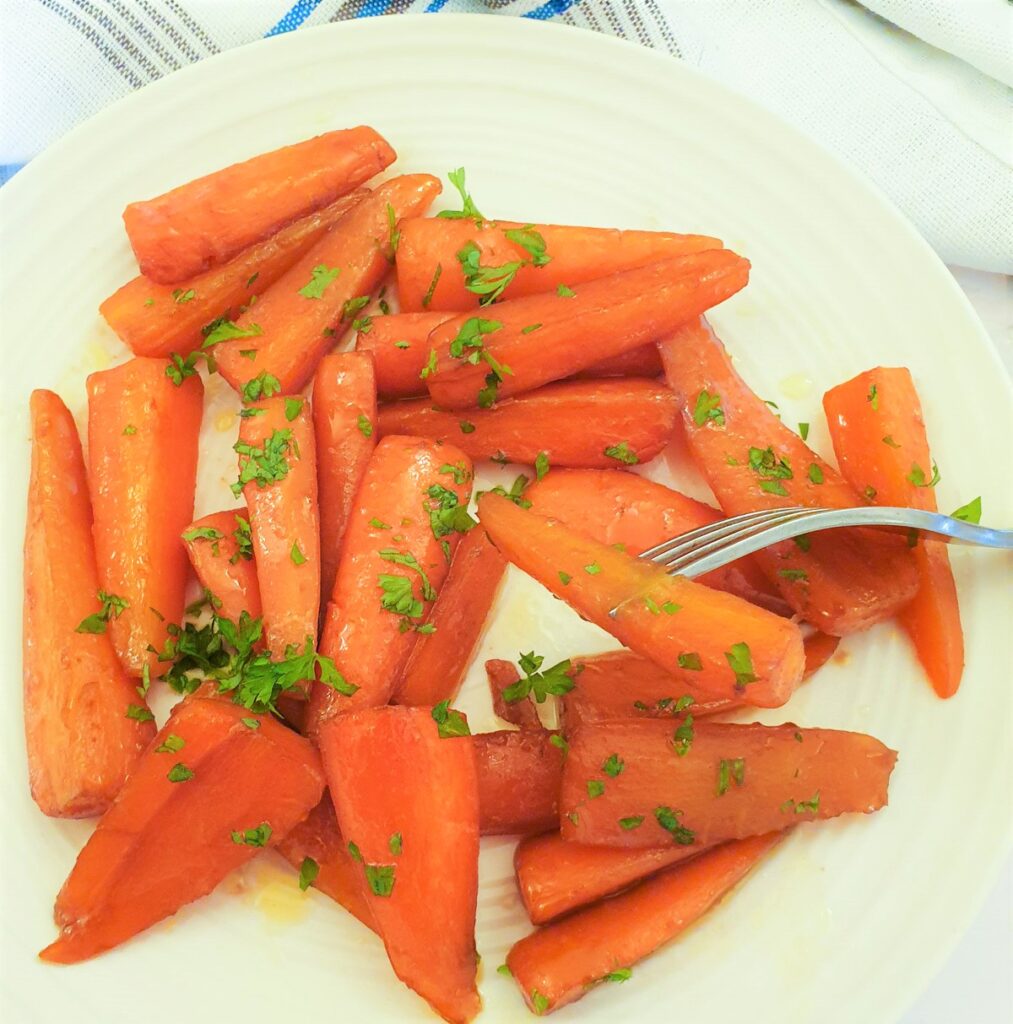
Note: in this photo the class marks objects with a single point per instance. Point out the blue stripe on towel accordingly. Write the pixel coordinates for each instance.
(549, 9)
(298, 13)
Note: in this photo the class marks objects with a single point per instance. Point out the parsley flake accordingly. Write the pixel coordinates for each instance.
(179, 773)
(740, 659)
(321, 276)
(595, 788)
(554, 681)
(365, 427)
(469, 209)
(917, 476)
(708, 407)
(613, 765)
(253, 836)
(111, 607)
(634, 821)
(449, 723)
(139, 714)
(729, 771)
(428, 297)
(969, 513)
(541, 465)
(172, 744)
(308, 871)
(622, 452)
(690, 660)
(293, 406)
(668, 819)
(264, 385)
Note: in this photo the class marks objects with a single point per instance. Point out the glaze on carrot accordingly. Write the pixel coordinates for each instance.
(519, 774)
(220, 546)
(501, 675)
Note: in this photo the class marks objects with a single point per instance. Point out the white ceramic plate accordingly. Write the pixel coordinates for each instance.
(849, 919)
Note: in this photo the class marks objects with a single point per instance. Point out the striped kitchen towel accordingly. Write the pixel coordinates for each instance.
(913, 93)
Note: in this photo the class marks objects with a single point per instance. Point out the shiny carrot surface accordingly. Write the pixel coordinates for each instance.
(220, 547)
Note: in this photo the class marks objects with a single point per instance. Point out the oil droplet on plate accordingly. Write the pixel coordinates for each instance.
(224, 421)
(797, 385)
(274, 892)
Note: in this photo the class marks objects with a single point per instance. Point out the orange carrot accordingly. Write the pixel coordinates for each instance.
(406, 796)
(344, 419)
(523, 343)
(85, 725)
(518, 781)
(159, 319)
(641, 783)
(501, 675)
(318, 841)
(438, 660)
(878, 432)
(577, 423)
(278, 474)
(220, 547)
(208, 792)
(839, 580)
(575, 255)
(307, 310)
(624, 508)
(142, 450)
(637, 362)
(209, 220)
(726, 646)
(555, 877)
(559, 964)
(393, 563)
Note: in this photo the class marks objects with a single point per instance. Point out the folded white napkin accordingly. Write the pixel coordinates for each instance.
(919, 103)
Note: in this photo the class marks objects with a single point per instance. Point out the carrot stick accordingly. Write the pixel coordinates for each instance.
(577, 423)
(82, 742)
(559, 964)
(439, 659)
(207, 221)
(518, 781)
(640, 783)
(399, 344)
(501, 675)
(878, 433)
(318, 839)
(743, 652)
(401, 519)
(839, 580)
(555, 877)
(576, 255)
(344, 420)
(278, 473)
(220, 547)
(159, 319)
(407, 797)
(142, 449)
(207, 794)
(308, 309)
(542, 338)
(624, 508)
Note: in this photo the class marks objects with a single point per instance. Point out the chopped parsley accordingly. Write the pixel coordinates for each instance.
(446, 514)
(620, 974)
(815, 473)
(613, 765)
(466, 427)
(690, 660)
(430, 367)
(243, 537)
(541, 465)
(595, 788)
(873, 398)
(531, 328)
(623, 453)
(668, 819)
(352, 306)
(406, 558)
(179, 296)
(532, 242)
(469, 345)
(293, 406)
(264, 465)
(729, 771)
(917, 476)
(803, 431)
(298, 558)
(364, 425)
(393, 234)
(558, 741)
(380, 878)
(564, 292)
(129, 430)
(555, 680)
(890, 442)
(682, 739)
(253, 836)
(740, 659)
(225, 330)
(449, 723)
(487, 282)
(428, 297)
(111, 607)
(469, 209)
(708, 407)
(179, 773)
(539, 1003)
(516, 492)
(564, 577)
(969, 513)
(308, 871)
(593, 569)
(810, 806)
(139, 714)
(264, 385)
(396, 844)
(634, 821)
(172, 744)
(321, 276)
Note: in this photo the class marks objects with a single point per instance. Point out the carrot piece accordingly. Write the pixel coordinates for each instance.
(518, 781)
(542, 338)
(637, 362)
(878, 433)
(623, 508)
(439, 659)
(159, 319)
(319, 839)
(560, 963)
(555, 877)
(380, 599)
(171, 836)
(819, 649)
(577, 423)
(209, 220)
(221, 553)
(576, 255)
(344, 420)
(278, 470)
(408, 799)
(307, 310)
(639, 783)
(143, 434)
(501, 675)
(839, 580)
(81, 742)
(744, 652)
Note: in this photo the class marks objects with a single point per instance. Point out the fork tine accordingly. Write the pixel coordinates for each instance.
(722, 528)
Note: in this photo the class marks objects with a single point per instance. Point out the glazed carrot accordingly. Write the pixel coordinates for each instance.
(555, 877)
(744, 652)
(624, 508)
(839, 580)
(209, 220)
(307, 310)
(542, 338)
(399, 344)
(558, 964)
(576, 254)
(344, 420)
(439, 659)
(207, 794)
(407, 797)
(278, 471)
(380, 598)
(142, 452)
(159, 319)
(220, 547)
(81, 742)
(640, 783)
(501, 675)
(318, 839)
(878, 433)
(518, 781)
(576, 423)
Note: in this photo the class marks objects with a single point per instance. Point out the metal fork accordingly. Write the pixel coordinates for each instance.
(710, 547)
